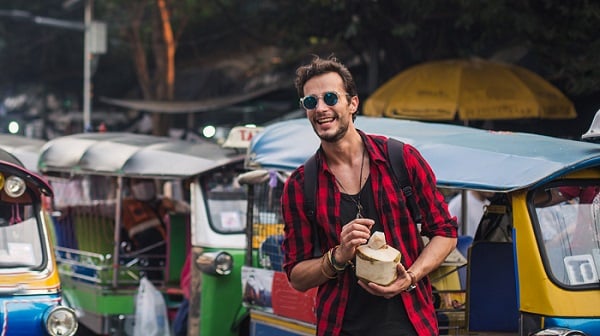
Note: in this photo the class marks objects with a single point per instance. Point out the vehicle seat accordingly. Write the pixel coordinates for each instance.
(271, 255)
(496, 223)
(462, 245)
(492, 304)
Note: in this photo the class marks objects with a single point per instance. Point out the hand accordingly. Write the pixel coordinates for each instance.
(401, 284)
(353, 235)
(167, 203)
(175, 205)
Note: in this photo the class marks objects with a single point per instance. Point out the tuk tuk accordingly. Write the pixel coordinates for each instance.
(103, 251)
(532, 268)
(25, 149)
(30, 289)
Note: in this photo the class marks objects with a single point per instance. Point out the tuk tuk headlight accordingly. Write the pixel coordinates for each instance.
(61, 321)
(216, 263)
(559, 332)
(14, 186)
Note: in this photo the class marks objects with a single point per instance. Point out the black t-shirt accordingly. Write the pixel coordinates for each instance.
(368, 314)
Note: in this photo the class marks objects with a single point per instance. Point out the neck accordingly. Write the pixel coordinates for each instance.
(343, 152)
(351, 174)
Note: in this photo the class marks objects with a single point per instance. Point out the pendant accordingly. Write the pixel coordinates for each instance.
(359, 209)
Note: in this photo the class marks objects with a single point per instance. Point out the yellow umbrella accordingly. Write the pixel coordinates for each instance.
(475, 89)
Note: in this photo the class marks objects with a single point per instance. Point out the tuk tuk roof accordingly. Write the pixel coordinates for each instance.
(26, 150)
(127, 154)
(461, 157)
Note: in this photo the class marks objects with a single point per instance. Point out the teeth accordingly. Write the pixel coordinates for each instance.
(321, 121)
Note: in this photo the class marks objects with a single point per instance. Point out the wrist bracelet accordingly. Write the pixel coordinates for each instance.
(323, 261)
(413, 281)
(337, 266)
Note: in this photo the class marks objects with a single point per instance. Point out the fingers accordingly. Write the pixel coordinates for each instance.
(355, 234)
(387, 292)
(401, 284)
(359, 228)
(365, 222)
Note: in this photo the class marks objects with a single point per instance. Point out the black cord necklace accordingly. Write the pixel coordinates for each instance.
(356, 201)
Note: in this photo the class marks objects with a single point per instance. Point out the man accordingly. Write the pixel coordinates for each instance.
(356, 196)
(144, 215)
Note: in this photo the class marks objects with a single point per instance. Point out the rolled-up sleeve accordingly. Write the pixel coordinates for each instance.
(297, 244)
(437, 220)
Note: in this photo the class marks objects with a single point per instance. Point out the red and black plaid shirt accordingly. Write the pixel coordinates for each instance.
(400, 230)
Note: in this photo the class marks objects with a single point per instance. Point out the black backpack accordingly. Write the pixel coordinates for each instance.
(395, 159)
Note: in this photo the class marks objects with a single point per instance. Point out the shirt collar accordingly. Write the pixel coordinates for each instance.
(374, 154)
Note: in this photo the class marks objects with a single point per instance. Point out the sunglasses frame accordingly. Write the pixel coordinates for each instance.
(335, 94)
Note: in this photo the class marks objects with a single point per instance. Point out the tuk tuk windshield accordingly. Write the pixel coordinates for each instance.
(20, 236)
(568, 220)
(226, 202)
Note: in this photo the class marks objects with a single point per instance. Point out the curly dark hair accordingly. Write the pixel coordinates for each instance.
(319, 66)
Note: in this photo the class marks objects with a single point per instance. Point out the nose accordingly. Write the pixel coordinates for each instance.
(321, 105)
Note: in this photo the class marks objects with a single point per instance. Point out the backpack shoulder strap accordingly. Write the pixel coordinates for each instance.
(395, 152)
(310, 191)
(310, 186)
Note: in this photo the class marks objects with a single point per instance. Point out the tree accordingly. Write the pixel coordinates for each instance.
(152, 29)
(161, 38)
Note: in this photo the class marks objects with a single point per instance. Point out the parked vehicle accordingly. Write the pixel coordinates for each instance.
(101, 257)
(532, 268)
(30, 288)
(25, 149)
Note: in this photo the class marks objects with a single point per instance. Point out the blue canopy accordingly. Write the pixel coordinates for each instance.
(461, 157)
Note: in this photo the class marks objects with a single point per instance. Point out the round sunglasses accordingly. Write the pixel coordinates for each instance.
(330, 98)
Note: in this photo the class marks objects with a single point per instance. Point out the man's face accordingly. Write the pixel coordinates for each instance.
(143, 190)
(330, 122)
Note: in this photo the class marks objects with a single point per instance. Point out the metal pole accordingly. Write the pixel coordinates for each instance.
(249, 225)
(87, 67)
(117, 235)
(464, 211)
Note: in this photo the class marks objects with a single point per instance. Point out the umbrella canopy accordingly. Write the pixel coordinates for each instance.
(474, 89)
(126, 154)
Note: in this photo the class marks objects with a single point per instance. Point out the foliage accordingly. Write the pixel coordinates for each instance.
(554, 38)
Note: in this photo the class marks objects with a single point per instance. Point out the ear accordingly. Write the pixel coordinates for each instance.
(354, 104)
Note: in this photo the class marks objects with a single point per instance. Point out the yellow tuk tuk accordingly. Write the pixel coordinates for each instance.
(533, 266)
(30, 289)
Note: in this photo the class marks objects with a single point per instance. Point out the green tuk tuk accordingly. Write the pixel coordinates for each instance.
(102, 256)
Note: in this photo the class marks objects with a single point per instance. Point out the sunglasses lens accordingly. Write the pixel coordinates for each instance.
(309, 102)
(330, 98)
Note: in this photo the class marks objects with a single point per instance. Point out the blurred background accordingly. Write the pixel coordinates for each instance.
(196, 68)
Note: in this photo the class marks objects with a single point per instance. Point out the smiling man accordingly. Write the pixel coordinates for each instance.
(356, 195)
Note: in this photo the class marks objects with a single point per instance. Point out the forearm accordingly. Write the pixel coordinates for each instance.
(432, 256)
(311, 273)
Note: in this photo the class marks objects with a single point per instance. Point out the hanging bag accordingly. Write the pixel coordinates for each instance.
(150, 311)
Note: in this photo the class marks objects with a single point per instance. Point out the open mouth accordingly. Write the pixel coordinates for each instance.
(321, 121)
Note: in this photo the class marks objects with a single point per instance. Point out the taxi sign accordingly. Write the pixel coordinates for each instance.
(240, 136)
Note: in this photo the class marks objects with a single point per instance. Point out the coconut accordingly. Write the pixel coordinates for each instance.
(376, 261)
